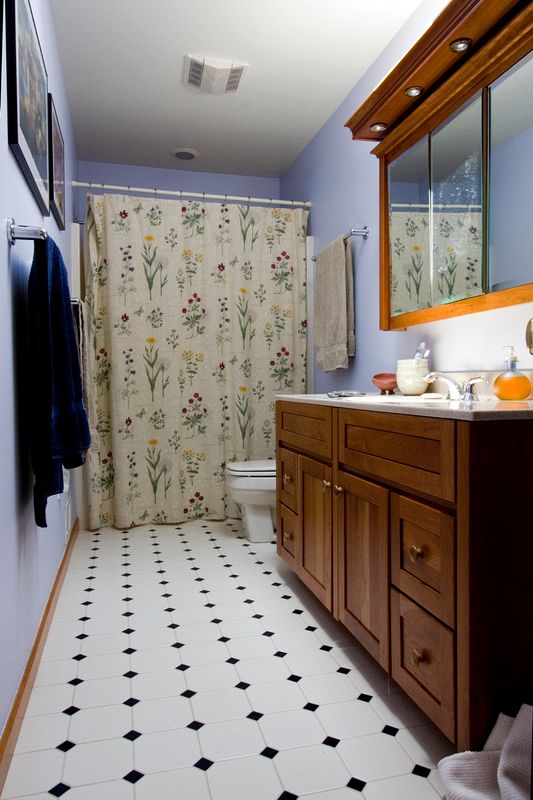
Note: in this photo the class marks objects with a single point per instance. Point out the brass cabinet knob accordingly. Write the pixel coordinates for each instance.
(287, 478)
(417, 657)
(337, 489)
(326, 485)
(415, 552)
(287, 536)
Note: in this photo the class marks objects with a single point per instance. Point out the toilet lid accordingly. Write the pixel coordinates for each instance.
(265, 468)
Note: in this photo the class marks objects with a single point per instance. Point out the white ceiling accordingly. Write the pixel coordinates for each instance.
(123, 66)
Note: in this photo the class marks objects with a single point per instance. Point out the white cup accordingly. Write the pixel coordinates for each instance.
(410, 375)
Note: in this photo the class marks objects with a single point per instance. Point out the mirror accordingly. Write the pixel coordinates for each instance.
(511, 178)
(435, 215)
(456, 177)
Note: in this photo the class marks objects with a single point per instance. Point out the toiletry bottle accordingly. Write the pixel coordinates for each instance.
(511, 384)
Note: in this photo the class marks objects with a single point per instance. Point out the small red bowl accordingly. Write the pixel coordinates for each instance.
(385, 382)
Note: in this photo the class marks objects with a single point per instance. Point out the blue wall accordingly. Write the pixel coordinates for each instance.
(341, 178)
(173, 179)
(29, 555)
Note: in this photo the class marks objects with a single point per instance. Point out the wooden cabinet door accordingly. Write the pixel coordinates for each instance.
(314, 546)
(361, 512)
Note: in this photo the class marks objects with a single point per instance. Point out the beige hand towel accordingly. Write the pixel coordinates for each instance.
(334, 306)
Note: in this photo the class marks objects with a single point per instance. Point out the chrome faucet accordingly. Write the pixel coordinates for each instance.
(457, 390)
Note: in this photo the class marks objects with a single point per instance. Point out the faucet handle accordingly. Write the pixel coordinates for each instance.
(469, 392)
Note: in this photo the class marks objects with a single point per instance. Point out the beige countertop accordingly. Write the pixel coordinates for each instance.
(485, 409)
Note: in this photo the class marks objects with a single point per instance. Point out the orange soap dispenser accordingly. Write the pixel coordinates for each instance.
(511, 384)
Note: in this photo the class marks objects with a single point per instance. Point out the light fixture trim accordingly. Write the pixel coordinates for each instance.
(461, 45)
(377, 127)
(414, 91)
(185, 153)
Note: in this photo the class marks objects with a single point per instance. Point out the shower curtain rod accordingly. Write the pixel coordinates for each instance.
(201, 195)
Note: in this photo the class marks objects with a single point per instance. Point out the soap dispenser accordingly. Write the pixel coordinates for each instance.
(511, 384)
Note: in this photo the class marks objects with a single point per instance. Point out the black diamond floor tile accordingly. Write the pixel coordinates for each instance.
(330, 741)
(287, 796)
(365, 698)
(390, 730)
(133, 776)
(269, 752)
(195, 725)
(131, 701)
(59, 789)
(75, 681)
(66, 746)
(356, 784)
(204, 764)
(132, 735)
(71, 710)
(255, 715)
(310, 707)
(421, 771)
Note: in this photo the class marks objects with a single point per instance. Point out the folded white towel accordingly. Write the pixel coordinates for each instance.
(334, 306)
(501, 771)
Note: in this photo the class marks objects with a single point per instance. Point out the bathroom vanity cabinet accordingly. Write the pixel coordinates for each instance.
(412, 530)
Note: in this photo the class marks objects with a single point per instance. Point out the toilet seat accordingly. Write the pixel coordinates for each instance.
(263, 468)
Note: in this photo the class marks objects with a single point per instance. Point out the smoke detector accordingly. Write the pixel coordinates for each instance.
(213, 75)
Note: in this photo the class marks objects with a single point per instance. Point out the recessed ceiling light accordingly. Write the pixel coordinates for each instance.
(379, 126)
(461, 45)
(413, 91)
(185, 153)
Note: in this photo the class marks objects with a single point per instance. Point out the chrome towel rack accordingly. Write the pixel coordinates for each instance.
(15, 232)
(364, 232)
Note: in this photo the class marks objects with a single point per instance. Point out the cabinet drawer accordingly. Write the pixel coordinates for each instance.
(305, 427)
(422, 657)
(423, 557)
(287, 478)
(287, 534)
(415, 452)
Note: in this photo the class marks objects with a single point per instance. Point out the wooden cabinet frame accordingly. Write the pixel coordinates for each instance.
(503, 34)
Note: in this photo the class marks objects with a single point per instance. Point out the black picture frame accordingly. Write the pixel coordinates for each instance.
(56, 167)
(1, 43)
(27, 99)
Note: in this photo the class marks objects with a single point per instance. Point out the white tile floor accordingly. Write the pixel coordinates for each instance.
(185, 663)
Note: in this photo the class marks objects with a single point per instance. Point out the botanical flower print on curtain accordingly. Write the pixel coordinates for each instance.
(196, 319)
(456, 269)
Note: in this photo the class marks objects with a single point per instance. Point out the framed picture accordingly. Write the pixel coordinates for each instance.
(27, 99)
(56, 167)
(1, 40)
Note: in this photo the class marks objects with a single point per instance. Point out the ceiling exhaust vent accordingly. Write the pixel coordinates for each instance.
(213, 75)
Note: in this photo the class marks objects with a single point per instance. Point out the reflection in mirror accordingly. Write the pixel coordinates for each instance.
(511, 178)
(409, 230)
(456, 207)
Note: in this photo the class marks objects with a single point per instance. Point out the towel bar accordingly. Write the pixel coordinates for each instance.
(364, 232)
(15, 232)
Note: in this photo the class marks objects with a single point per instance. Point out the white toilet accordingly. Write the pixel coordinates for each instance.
(252, 484)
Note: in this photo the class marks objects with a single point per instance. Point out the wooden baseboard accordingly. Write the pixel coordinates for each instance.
(9, 736)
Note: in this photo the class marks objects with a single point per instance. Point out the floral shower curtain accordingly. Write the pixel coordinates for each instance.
(196, 318)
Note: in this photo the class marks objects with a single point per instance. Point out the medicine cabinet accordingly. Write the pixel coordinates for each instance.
(456, 166)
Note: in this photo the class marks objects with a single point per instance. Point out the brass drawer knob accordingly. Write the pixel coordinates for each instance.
(415, 552)
(287, 478)
(417, 657)
(338, 489)
(326, 485)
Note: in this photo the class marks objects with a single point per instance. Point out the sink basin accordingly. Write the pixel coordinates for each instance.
(396, 398)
